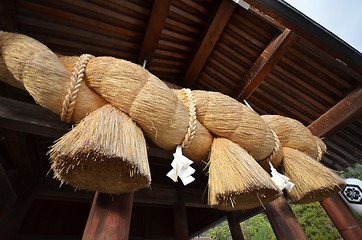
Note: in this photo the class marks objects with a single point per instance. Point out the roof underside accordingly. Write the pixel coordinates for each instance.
(279, 67)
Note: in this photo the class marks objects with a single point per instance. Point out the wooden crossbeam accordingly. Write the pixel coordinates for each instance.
(339, 115)
(157, 19)
(30, 118)
(265, 63)
(281, 12)
(8, 16)
(210, 37)
(331, 121)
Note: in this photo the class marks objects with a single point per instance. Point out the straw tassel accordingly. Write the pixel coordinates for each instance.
(105, 152)
(236, 181)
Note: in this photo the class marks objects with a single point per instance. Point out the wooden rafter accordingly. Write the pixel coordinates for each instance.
(338, 116)
(265, 63)
(158, 17)
(279, 11)
(210, 37)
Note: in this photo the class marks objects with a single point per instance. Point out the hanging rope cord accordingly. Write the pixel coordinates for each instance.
(192, 118)
(74, 86)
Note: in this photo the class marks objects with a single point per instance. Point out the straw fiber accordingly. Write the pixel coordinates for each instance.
(293, 134)
(229, 118)
(143, 96)
(105, 152)
(313, 181)
(236, 181)
(43, 75)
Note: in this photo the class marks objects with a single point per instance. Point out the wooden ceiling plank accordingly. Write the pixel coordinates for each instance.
(290, 85)
(309, 77)
(76, 20)
(292, 78)
(344, 112)
(214, 30)
(290, 99)
(8, 20)
(157, 19)
(265, 63)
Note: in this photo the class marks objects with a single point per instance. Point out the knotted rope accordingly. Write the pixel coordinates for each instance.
(74, 86)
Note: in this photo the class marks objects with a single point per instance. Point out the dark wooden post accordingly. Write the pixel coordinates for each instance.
(342, 218)
(109, 217)
(234, 226)
(283, 220)
(180, 218)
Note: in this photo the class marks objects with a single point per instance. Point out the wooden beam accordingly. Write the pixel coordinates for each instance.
(157, 19)
(283, 220)
(298, 23)
(265, 63)
(109, 217)
(8, 16)
(334, 119)
(30, 118)
(342, 217)
(156, 195)
(180, 218)
(339, 115)
(210, 37)
(234, 226)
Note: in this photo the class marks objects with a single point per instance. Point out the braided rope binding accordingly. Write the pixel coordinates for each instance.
(320, 153)
(75, 83)
(192, 118)
(275, 149)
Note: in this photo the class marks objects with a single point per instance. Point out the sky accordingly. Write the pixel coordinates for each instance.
(342, 17)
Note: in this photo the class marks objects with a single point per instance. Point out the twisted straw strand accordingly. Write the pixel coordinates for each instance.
(74, 86)
(275, 149)
(192, 119)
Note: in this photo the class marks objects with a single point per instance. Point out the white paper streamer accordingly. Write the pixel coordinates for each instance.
(181, 168)
(280, 180)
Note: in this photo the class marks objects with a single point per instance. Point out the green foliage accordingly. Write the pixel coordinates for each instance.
(353, 172)
(315, 222)
(219, 232)
(257, 228)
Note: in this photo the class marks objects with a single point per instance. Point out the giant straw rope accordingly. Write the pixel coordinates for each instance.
(168, 117)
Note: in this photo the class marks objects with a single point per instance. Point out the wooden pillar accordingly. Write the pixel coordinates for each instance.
(109, 217)
(342, 218)
(234, 226)
(180, 218)
(283, 220)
